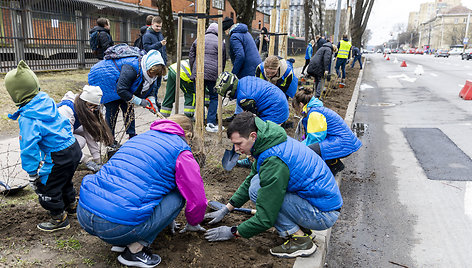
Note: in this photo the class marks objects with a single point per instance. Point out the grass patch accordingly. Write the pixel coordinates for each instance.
(68, 244)
(89, 262)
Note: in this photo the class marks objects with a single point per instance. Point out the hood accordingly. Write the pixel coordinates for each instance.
(282, 69)
(41, 107)
(69, 96)
(213, 29)
(98, 28)
(269, 134)
(238, 28)
(143, 29)
(328, 44)
(153, 57)
(314, 102)
(167, 126)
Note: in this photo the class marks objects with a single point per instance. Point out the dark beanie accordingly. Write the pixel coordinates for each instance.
(227, 23)
(264, 30)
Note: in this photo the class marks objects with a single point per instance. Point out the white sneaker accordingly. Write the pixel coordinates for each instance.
(212, 128)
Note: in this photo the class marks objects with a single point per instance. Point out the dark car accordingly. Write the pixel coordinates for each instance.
(467, 54)
(442, 53)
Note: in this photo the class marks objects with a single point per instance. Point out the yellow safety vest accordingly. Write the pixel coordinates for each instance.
(344, 48)
(185, 71)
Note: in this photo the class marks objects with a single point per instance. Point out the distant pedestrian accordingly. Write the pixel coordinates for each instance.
(154, 39)
(243, 52)
(103, 38)
(344, 53)
(279, 72)
(356, 53)
(265, 43)
(49, 152)
(319, 66)
(308, 54)
(139, 41)
(211, 71)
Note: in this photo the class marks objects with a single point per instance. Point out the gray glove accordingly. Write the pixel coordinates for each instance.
(140, 102)
(216, 216)
(221, 233)
(192, 228)
(174, 226)
(33, 180)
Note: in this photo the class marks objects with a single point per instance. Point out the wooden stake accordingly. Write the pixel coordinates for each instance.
(179, 58)
(273, 21)
(283, 39)
(261, 40)
(199, 80)
(220, 70)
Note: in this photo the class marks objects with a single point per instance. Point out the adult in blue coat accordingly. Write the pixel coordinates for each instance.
(323, 130)
(243, 51)
(255, 95)
(124, 81)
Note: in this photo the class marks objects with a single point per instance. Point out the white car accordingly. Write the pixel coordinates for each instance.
(456, 51)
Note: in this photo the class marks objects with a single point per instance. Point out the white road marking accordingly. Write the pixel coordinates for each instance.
(403, 77)
(468, 199)
(433, 74)
(365, 86)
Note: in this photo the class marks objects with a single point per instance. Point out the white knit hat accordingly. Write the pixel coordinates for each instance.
(92, 94)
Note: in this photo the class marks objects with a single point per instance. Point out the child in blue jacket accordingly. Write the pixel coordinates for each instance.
(49, 152)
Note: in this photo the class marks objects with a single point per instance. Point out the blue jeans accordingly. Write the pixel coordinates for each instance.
(357, 58)
(341, 63)
(295, 212)
(144, 233)
(111, 115)
(213, 106)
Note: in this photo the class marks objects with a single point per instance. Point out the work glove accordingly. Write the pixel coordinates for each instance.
(33, 179)
(174, 226)
(91, 165)
(221, 233)
(192, 228)
(216, 216)
(140, 102)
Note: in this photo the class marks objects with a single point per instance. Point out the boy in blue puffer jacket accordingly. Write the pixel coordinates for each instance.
(49, 151)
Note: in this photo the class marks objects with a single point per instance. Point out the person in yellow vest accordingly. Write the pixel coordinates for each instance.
(344, 53)
(186, 85)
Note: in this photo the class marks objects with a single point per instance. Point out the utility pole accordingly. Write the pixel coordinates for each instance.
(336, 25)
(465, 41)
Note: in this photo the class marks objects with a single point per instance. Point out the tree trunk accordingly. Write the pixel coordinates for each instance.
(244, 11)
(359, 20)
(165, 12)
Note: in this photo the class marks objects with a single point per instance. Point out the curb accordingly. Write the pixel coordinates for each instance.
(318, 259)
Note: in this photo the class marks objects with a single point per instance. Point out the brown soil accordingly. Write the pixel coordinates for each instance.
(23, 245)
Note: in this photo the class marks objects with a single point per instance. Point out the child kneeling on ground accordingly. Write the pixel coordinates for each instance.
(49, 151)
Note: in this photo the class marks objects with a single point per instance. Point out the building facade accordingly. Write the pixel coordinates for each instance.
(296, 27)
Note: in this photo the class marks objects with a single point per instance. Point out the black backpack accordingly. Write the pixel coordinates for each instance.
(139, 42)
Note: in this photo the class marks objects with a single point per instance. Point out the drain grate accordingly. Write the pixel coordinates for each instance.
(438, 155)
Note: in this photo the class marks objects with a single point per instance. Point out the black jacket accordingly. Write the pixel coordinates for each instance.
(320, 43)
(104, 40)
(265, 44)
(320, 62)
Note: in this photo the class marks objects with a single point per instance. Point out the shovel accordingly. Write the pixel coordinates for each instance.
(230, 158)
(215, 205)
(9, 190)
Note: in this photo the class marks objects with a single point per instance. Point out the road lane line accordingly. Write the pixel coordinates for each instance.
(433, 74)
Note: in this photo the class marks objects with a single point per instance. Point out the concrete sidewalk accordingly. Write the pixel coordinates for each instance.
(318, 259)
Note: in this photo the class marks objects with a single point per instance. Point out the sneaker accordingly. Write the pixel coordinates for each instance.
(72, 208)
(59, 222)
(296, 246)
(144, 258)
(309, 232)
(229, 119)
(119, 249)
(212, 128)
(91, 165)
(245, 163)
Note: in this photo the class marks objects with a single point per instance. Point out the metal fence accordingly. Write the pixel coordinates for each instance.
(54, 34)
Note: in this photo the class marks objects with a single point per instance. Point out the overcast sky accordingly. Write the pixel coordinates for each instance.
(386, 13)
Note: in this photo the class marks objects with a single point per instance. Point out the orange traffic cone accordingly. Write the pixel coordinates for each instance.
(403, 64)
(466, 92)
(388, 58)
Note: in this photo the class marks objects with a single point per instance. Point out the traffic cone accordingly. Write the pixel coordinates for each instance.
(385, 55)
(466, 92)
(403, 64)
(388, 58)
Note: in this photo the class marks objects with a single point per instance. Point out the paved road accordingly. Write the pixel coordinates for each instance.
(393, 213)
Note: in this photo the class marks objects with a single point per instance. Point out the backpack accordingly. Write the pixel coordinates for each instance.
(122, 51)
(139, 42)
(93, 40)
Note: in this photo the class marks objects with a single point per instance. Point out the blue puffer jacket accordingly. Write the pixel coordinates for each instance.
(243, 51)
(340, 141)
(309, 52)
(288, 82)
(271, 103)
(105, 74)
(310, 177)
(43, 130)
(147, 162)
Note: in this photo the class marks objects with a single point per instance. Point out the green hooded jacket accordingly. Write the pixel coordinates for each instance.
(274, 175)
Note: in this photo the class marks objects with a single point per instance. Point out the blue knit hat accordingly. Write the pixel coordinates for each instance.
(153, 57)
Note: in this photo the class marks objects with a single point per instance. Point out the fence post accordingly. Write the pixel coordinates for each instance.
(29, 24)
(19, 41)
(80, 32)
(128, 31)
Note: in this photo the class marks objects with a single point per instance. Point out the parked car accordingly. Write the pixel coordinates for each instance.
(456, 51)
(387, 51)
(411, 51)
(442, 53)
(467, 54)
(419, 51)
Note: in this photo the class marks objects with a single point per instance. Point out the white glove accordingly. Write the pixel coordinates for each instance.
(192, 228)
(174, 226)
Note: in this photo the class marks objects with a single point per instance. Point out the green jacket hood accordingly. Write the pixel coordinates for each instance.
(269, 134)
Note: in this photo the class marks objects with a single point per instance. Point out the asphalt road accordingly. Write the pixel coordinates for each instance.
(393, 214)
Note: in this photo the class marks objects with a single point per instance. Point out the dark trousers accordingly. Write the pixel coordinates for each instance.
(317, 86)
(357, 58)
(111, 115)
(213, 106)
(341, 63)
(58, 192)
(307, 61)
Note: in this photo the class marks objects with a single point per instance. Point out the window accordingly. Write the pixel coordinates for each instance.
(218, 4)
(456, 21)
(260, 23)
